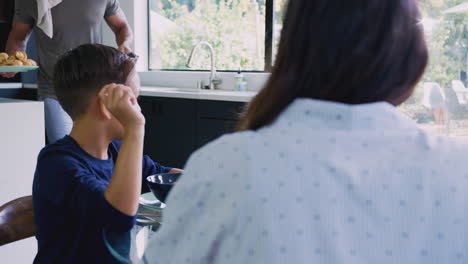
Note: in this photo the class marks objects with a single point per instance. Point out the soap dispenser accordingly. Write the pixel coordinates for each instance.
(238, 80)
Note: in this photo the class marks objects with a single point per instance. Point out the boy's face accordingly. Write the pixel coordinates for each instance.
(133, 81)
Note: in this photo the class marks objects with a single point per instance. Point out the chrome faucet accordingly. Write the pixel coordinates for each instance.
(214, 80)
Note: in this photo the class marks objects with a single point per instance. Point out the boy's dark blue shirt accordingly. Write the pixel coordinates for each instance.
(70, 210)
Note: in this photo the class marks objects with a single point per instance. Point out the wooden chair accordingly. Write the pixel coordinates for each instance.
(17, 220)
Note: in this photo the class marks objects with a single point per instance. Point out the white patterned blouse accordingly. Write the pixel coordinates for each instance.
(325, 183)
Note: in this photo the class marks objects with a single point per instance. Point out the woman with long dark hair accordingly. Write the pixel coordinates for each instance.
(324, 168)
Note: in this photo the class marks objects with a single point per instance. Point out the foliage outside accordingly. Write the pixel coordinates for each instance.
(235, 28)
(447, 39)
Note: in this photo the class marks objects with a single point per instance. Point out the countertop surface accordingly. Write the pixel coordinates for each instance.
(11, 101)
(219, 95)
(11, 85)
(184, 93)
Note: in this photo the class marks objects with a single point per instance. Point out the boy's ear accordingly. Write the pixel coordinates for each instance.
(104, 111)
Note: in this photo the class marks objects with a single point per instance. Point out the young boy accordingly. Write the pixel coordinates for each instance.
(88, 181)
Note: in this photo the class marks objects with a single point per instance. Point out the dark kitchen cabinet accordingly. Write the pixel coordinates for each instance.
(216, 118)
(16, 93)
(175, 128)
(170, 125)
(210, 129)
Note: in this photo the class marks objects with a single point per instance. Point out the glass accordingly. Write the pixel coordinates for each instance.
(235, 28)
(440, 101)
(129, 247)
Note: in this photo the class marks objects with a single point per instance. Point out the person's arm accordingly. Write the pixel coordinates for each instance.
(19, 36)
(151, 167)
(123, 34)
(17, 40)
(123, 191)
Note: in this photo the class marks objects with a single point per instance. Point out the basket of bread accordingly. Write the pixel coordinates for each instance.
(18, 62)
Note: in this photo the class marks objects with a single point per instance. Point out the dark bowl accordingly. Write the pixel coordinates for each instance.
(161, 184)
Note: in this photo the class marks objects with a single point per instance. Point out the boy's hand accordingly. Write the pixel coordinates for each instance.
(122, 103)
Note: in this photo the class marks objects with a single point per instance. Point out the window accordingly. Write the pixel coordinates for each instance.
(246, 33)
(238, 30)
(440, 101)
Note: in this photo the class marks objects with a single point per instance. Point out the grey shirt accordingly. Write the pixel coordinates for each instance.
(76, 22)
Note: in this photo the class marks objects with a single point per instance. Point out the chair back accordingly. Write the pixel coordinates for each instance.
(17, 220)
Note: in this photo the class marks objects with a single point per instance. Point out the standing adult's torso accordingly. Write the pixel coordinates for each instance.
(75, 22)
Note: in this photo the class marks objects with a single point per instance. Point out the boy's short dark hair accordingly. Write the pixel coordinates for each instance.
(82, 72)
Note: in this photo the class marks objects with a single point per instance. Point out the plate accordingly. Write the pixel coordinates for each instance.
(18, 68)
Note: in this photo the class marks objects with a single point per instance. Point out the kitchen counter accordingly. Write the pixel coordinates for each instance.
(11, 85)
(12, 101)
(185, 93)
(22, 136)
(218, 95)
